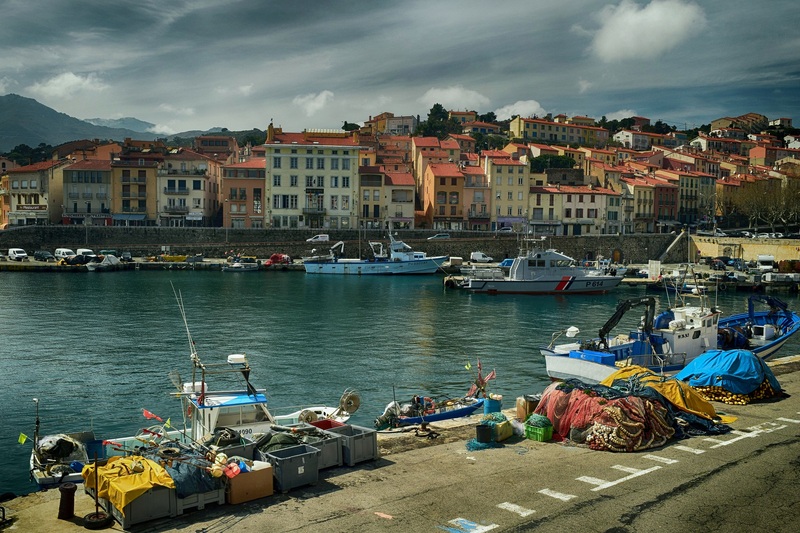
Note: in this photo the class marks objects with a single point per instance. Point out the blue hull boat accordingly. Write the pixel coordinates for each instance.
(423, 410)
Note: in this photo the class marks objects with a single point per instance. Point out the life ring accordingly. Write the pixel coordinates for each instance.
(189, 410)
(723, 286)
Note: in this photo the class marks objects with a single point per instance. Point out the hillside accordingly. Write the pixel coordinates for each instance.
(26, 121)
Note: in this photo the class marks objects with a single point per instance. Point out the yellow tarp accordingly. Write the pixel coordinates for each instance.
(678, 393)
(118, 483)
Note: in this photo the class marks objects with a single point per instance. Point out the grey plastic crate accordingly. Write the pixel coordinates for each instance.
(157, 502)
(358, 443)
(246, 449)
(330, 445)
(294, 466)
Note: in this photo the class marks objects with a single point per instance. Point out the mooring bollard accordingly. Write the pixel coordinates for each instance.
(66, 506)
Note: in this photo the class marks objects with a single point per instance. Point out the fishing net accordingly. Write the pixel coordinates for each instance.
(474, 446)
(720, 394)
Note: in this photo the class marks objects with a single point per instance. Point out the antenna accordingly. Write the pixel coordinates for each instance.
(179, 299)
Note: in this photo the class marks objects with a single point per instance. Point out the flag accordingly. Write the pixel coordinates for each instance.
(167, 424)
(22, 438)
(468, 366)
(150, 416)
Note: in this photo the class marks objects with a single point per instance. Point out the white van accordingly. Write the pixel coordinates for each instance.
(63, 253)
(766, 263)
(17, 254)
(480, 257)
(319, 238)
(87, 252)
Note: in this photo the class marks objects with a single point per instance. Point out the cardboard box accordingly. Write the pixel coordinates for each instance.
(249, 486)
(525, 406)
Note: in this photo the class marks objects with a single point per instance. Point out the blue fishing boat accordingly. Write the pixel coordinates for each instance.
(424, 410)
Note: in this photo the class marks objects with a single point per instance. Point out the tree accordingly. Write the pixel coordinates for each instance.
(350, 126)
(438, 124)
(541, 163)
(488, 117)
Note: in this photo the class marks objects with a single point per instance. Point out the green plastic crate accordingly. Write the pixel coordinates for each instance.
(539, 434)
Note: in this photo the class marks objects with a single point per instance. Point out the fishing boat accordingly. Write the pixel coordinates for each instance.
(669, 341)
(241, 264)
(109, 262)
(237, 405)
(401, 259)
(539, 272)
(424, 410)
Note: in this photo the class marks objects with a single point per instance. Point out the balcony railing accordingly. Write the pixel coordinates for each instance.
(73, 195)
(134, 209)
(313, 210)
(101, 196)
(180, 190)
(133, 179)
(87, 195)
(477, 214)
(177, 209)
(138, 194)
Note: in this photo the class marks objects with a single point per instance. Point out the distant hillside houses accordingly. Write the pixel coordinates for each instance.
(381, 176)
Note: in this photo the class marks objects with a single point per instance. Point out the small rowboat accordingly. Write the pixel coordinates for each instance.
(423, 410)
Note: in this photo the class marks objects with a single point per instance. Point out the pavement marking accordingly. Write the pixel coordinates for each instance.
(462, 525)
(792, 420)
(514, 508)
(557, 495)
(740, 435)
(768, 427)
(661, 459)
(688, 449)
(603, 484)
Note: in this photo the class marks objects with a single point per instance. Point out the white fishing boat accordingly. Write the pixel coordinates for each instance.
(400, 260)
(109, 262)
(540, 272)
(667, 342)
(57, 459)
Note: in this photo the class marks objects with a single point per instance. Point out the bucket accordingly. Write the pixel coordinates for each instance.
(491, 406)
(483, 433)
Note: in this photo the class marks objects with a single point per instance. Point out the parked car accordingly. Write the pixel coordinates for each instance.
(63, 253)
(322, 237)
(17, 254)
(43, 255)
(505, 229)
(109, 252)
(480, 257)
(716, 264)
(87, 252)
(439, 236)
(126, 257)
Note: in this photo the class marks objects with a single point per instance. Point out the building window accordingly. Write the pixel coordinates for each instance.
(276, 180)
(335, 163)
(345, 163)
(292, 181)
(334, 181)
(568, 213)
(309, 163)
(320, 163)
(276, 162)
(292, 162)
(346, 182)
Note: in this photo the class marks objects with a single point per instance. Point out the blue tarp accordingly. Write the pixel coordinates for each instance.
(737, 371)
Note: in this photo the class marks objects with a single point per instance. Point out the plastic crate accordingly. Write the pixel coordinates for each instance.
(200, 500)
(327, 424)
(539, 434)
(329, 445)
(294, 466)
(358, 443)
(157, 502)
(246, 449)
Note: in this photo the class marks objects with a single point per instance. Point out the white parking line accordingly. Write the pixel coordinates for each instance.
(740, 435)
(661, 459)
(634, 472)
(557, 495)
(768, 427)
(514, 508)
(792, 420)
(688, 449)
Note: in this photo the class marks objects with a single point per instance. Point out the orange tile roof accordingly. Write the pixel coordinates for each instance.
(254, 162)
(91, 164)
(445, 170)
(35, 167)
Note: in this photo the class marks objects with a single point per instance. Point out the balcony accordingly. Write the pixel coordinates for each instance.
(134, 179)
(177, 209)
(138, 194)
(87, 195)
(313, 210)
(101, 196)
(134, 209)
(180, 191)
(181, 172)
(477, 214)
(73, 196)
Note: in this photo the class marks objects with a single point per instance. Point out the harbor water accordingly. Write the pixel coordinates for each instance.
(96, 349)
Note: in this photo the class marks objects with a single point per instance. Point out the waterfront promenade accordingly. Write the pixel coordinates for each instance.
(734, 482)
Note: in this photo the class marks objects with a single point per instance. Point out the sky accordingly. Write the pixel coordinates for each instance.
(314, 64)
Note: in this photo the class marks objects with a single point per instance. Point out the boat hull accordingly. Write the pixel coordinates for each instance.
(564, 285)
(356, 267)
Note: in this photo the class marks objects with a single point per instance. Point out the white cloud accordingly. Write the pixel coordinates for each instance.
(620, 114)
(182, 111)
(162, 129)
(313, 103)
(242, 90)
(584, 85)
(523, 108)
(66, 85)
(5, 85)
(453, 98)
(629, 31)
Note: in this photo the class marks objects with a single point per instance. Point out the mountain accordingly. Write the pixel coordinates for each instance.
(127, 123)
(26, 121)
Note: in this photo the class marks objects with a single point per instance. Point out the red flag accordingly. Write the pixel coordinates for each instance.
(150, 416)
(491, 375)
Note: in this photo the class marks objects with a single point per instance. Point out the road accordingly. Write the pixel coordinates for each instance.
(741, 481)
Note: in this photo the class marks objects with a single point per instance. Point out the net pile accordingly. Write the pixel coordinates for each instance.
(604, 418)
(720, 394)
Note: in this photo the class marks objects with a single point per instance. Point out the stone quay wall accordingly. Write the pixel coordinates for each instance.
(219, 242)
